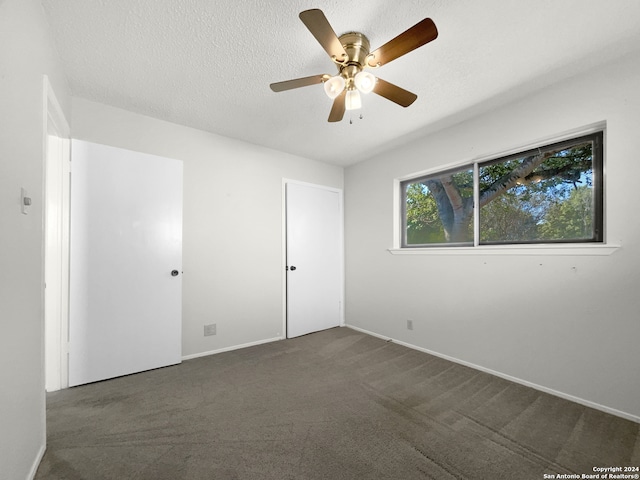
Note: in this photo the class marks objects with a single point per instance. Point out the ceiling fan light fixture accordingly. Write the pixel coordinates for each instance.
(351, 53)
(364, 81)
(353, 100)
(334, 86)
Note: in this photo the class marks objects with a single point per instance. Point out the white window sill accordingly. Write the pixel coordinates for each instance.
(568, 249)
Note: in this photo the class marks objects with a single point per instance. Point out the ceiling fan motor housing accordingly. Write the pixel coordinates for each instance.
(357, 47)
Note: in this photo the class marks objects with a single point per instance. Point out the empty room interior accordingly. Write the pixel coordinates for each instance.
(330, 240)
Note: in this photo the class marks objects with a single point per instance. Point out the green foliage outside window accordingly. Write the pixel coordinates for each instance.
(550, 194)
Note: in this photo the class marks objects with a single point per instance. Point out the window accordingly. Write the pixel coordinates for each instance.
(550, 194)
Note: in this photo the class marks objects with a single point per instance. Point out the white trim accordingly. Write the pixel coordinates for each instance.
(398, 212)
(476, 201)
(36, 463)
(229, 349)
(283, 263)
(53, 107)
(556, 393)
(568, 249)
(53, 116)
(340, 193)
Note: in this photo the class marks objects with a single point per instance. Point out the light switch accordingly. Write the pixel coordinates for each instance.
(25, 201)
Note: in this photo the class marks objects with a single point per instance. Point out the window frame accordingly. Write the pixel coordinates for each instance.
(595, 135)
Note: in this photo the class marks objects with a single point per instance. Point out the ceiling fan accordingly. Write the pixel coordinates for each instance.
(350, 52)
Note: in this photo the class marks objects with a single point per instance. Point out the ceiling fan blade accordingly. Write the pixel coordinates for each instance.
(392, 92)
(298, 82)
(320, 28)
(338, 108)
(420, 34)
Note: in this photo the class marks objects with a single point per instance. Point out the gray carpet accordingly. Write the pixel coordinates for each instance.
(332, 405)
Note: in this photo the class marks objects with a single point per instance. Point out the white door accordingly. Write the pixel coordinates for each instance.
(126, 262)
(314, 258)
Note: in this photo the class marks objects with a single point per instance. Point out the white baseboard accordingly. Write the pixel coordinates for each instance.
(36, 463)
(541, 388)
(228, 349)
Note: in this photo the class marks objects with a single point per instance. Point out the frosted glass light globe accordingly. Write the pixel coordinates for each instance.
(353, 101)
(364, 82)
(334, 86)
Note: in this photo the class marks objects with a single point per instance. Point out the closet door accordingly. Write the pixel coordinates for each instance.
(314, 258)
(126, 262)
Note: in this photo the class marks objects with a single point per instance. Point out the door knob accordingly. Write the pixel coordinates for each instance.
(174, 273)
(292, 268)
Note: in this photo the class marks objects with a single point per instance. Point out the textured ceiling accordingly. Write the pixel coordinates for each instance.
(208, 64)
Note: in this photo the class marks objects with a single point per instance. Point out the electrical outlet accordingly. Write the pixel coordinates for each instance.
(409, 324)
(209, 329)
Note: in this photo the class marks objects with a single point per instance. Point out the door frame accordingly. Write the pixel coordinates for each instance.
(340, 193)
(56, 324)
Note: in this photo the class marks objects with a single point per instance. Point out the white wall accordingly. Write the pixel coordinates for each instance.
(565, 323)
(25, 55)
(233, 264)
